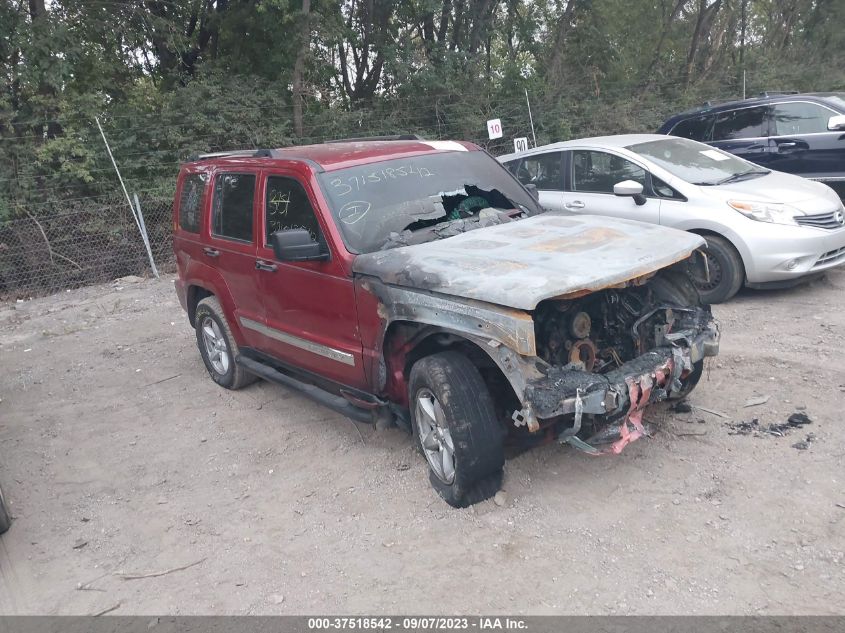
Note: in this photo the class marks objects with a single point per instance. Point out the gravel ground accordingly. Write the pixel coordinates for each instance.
(120, 458)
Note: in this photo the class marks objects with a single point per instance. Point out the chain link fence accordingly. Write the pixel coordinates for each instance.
(77, 243)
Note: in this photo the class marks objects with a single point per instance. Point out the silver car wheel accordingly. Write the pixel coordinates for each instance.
(215, 346)
(434, 436)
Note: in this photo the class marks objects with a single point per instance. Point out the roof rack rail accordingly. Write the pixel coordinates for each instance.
(776, 93)
(714, 102)
(395, 137)
(243, 153)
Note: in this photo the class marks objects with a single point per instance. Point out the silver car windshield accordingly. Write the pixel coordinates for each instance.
(697, 163)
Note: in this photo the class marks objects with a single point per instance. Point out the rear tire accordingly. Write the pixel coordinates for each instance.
(5, 519)
(218, 347)
(455, 427)
(725, 267)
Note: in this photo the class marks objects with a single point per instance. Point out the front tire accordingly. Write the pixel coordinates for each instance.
(218, 347)
(455, 427)
(725, 268)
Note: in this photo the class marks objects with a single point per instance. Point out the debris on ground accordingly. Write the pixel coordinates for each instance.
(805, 444)
(500, 498)
(753, 426)
(156, 574)
(682, 407)
(756, 401)
(711, 411)
(798, 419)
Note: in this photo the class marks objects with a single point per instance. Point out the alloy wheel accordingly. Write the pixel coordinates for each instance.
(215, 346)
(434, 436)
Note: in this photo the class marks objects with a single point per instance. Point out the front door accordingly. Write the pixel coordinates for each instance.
(744, 132)
(309, 316)
(801, 143)
(590, 186)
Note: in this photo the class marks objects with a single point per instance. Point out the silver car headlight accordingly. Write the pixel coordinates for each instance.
(773, 212)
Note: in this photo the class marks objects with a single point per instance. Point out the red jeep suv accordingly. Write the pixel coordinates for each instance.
(419, 283)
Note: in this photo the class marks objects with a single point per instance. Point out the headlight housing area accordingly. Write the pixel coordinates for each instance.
(773, 212)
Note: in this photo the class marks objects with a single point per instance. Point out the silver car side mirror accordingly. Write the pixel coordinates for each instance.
(630, 188)
(836, 122)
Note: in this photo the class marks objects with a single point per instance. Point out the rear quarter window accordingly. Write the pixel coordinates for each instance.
(697, 128)
(190, 202)
(742, 123)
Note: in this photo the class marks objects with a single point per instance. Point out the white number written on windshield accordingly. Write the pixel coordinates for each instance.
(343, 186)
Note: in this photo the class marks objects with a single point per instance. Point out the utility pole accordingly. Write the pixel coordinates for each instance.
(743, 22)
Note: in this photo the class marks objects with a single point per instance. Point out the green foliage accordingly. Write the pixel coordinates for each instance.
(169, 79)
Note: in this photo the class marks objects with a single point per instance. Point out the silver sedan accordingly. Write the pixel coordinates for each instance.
(763, 228)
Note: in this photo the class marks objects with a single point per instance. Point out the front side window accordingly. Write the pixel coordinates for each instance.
(742, 123)
(543, 170)
(287, 207)
(597, 172)
(190, 202)
(800, 118)
(698, 128)
(233, 203)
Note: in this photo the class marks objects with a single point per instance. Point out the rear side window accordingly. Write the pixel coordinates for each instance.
(800, 118)
(543, 170)
(287, 207)
(743, 123)
(233, 201)
(190, 202)
(697, 129)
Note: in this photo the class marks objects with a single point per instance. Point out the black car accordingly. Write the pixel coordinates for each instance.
(799, 133)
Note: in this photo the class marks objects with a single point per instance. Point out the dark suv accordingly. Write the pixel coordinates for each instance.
(802, 134)
(419, 283)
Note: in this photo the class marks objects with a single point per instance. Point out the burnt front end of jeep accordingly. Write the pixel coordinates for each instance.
(604, 357)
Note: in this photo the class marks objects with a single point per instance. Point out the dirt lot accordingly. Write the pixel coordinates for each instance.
(118, 454)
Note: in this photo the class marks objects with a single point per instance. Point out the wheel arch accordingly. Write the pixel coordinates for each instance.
(738, 244)
(406, 342)
(198, 288)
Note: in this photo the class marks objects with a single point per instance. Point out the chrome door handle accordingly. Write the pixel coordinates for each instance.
(787, 145)
(261, 264)
(575, 204)
(211, 252)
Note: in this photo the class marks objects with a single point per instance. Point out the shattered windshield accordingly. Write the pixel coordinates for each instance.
(379, 202)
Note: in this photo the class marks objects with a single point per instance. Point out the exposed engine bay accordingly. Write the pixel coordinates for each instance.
(613, 352)
(601, 331)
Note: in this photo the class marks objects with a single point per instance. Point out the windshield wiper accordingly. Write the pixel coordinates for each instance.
(742, 176)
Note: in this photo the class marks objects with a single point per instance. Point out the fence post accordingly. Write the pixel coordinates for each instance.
(135, 214)
(144, 235)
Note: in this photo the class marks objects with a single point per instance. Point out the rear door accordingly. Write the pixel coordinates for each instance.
(546, 172)
(743, 132)
(800, 142)
(589, 186)
(230, 244)
(309, 315)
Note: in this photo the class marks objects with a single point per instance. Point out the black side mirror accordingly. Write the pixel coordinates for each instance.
(296, 245)
(532, 189)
